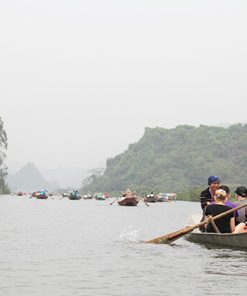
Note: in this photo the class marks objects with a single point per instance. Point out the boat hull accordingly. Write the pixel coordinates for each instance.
(41, 196)
(237, 240)
(74, 197)
(128, 201)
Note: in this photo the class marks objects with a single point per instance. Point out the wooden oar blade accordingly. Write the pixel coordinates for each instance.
(168, 238)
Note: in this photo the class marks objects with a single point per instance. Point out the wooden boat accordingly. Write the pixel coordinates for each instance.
(128, 201)
(191, 230)
(41, 196)
(73, 196)
(20, 193)
(150, 198)
(233, 240)
(87, 196)
(99, 196)
(237, 240)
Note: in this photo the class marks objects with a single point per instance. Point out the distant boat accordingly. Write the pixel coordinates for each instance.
(20, 193)
(166, 197)
(128, 201)
(74, 195)
(87, 196)
(99, 196)
(150, 198)
(106, 194)
(42, 194)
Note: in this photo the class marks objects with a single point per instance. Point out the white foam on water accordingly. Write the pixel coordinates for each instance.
(129, 235)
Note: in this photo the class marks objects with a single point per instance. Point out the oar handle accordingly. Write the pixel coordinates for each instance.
(229, 211)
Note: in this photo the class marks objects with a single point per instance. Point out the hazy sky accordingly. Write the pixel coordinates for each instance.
(80, 80)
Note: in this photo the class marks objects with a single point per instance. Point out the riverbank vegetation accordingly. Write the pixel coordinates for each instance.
(177, 160)
(3, 169)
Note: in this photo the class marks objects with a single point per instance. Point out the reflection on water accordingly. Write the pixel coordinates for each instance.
(86, 247)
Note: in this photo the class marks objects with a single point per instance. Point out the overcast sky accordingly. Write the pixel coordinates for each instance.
(80, 80)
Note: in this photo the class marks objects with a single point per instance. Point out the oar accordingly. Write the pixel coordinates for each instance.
(144, 202)
(170, 237)
(113, 201)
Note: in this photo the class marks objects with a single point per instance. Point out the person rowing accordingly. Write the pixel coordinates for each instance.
(226, 224)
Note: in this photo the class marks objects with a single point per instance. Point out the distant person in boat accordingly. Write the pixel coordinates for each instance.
(226, 224)
(128, 194)
(151, 195)
(208, 195)
(241, 197)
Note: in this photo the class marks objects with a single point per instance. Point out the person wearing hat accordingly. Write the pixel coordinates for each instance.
(207, 195)
(241, 197)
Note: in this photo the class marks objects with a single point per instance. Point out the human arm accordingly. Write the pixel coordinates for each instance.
(232, 224)
(205, 198)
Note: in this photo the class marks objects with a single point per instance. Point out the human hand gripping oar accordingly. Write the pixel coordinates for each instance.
(170, 237)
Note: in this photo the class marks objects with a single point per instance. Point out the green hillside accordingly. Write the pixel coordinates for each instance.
(177, 160)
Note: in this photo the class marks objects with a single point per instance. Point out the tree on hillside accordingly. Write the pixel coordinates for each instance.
(177, 160)
(3, 148)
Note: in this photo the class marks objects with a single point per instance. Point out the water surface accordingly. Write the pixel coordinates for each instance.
(88, 247)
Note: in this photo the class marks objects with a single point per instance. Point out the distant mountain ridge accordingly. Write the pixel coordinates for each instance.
(29, 178)
(177, 159)
(65, 177)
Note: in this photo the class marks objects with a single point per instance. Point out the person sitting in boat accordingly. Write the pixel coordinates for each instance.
(207, 195)
(228, 202)
(76, 192)
(241, 197)
(128, 194)
(226, 224)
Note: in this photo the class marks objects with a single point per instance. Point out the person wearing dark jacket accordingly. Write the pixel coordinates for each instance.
(207, 195)
(225, 224)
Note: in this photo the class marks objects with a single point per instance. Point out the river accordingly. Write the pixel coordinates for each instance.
(88, 247)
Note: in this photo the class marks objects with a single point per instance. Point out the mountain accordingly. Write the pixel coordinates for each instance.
(177, 159)
(29, 178)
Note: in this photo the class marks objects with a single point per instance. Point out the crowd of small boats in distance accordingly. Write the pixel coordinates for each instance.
(127, 198)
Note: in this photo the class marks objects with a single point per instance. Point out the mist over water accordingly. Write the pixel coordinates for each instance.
(87, 247)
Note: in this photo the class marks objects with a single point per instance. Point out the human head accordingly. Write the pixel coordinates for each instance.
(241, 191)
(226, 188)
(213, 179)
(220, 195)
(213, 182)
